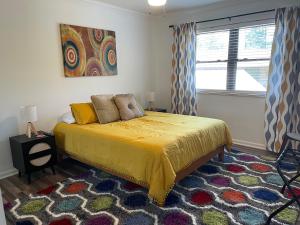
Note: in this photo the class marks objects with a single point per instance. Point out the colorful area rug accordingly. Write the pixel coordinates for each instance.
(243, 190)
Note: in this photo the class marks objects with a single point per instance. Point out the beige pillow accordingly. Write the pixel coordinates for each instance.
(128, 107)
(105, 108)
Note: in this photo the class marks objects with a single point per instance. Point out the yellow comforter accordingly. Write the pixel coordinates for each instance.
(148, 150)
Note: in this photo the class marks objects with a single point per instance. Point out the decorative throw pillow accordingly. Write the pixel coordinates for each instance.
(67, 118)
(84, 113)
(105, 108)
(128, 107)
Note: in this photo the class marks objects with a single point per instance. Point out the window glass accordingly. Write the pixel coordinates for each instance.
(255, 44)
(251, 64)
(252, 76)
(208, 73)
(211, 49)
(213, 46)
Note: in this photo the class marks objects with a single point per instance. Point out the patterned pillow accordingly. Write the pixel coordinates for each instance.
(105, 108)
(128, 107)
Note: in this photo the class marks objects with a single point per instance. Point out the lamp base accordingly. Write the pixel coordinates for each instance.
(31, 129)
(150, 106)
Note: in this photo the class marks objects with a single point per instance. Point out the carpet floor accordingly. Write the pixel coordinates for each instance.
(244, 189)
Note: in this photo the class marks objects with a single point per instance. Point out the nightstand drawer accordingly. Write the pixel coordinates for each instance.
(38, 145)
(40, 159)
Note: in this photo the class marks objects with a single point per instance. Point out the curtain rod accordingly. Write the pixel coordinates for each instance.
(230, 17)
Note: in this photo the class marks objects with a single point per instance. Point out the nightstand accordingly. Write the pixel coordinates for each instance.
(158, 110)
(33, 154)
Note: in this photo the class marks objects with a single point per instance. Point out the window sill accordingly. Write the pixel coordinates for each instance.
(257, 94)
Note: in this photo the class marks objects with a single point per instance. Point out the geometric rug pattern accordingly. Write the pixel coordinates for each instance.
(242, 190)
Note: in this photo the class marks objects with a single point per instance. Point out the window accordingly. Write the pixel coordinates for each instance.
(234, 60)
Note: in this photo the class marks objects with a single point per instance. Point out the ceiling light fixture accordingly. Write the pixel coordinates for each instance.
(157, 2)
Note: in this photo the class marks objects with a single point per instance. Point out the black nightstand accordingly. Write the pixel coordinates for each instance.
(158, 110)
(33, 154)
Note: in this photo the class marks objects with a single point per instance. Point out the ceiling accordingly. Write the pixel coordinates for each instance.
(171, 6)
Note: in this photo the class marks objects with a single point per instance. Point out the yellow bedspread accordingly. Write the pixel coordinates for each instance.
(148, 150)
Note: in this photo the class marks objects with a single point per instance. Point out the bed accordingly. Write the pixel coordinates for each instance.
(154, 151)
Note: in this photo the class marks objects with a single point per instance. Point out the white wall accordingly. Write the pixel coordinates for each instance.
(244, 115)
(31, 61)
(2, 216)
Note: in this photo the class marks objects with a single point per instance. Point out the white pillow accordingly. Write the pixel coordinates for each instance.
(67, 118)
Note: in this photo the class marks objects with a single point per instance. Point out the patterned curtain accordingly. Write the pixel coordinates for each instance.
(184, 68)
(283, 95)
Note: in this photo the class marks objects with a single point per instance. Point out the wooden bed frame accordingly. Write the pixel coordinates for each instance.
(201, 161)
(179, 175)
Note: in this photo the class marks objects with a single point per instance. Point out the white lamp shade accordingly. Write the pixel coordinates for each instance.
(151, 97)
(157, 2)
(29, 113)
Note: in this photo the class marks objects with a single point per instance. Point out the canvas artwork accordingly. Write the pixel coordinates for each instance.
(88, 51)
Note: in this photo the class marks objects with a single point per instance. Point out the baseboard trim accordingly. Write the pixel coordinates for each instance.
(248, 145)
(8, 173)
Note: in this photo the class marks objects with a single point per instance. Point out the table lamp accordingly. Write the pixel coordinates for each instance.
(151, 100)
(30, 116)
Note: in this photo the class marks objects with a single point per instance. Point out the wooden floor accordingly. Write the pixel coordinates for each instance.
(13, 187)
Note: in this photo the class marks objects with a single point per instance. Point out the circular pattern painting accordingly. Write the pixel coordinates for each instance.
(73, 51)
(88, 51)
(93, 67)
(108, 56)
(96, 36)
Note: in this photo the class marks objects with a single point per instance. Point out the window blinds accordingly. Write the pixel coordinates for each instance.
(235, 59)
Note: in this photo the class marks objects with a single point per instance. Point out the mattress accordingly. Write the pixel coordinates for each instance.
(149, 150)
